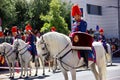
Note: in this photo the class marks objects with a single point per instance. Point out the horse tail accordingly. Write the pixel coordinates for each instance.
(100, 60)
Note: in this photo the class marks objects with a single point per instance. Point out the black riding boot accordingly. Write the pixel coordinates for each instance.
(33, 57)
(17, 55)
(84, 54)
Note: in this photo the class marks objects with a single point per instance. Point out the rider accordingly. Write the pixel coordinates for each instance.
(103, 39)
(53, 29)
(31, 40)
(80, 25)
(15, 35)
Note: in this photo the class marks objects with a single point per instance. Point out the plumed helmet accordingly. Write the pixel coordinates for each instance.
(14, 29)
(101, 30)
(76, 10)
(53, 28)
(28, 27)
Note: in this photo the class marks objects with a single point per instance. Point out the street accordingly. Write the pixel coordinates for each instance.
(113, 73)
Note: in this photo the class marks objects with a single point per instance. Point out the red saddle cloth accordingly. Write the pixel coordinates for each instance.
(81, 39)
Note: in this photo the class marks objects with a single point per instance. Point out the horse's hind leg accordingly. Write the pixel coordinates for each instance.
(102, 70)
(36, 65)
(94, 70)
(73, 74)
(13, 72)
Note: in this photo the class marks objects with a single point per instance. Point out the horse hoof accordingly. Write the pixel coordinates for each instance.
(35, 74)
(23, 75)
(29, 74)
(43, 74)
(26, 77)
(10, 77)
(53, 71)
(48, 70)
(20, 77)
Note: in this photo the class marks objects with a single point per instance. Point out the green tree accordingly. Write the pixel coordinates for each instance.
(21, 7)
(66, 12)
(53, 18)
(37, 7)
(7, 12)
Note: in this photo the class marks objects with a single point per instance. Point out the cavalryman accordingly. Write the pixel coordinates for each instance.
(31, 40)
(81, 26)
(103, 39)
(15, 35)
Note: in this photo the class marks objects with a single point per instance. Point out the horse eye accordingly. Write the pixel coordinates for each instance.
(43, 48)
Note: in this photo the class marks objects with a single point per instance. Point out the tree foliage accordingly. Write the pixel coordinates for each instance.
(7, 12)
(20, 12)
(53, 18)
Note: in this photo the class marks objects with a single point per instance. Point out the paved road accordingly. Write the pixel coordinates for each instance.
(113, 73)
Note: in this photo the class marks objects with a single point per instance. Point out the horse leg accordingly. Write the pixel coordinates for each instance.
(30, 69)
(13, 72)
(26, 68)
(65, 74)
(43, 64)
(10, 70)
(49, 65)
(36, 65)
(94, 70)
(54, 65)
(73, 74)
(21, 69)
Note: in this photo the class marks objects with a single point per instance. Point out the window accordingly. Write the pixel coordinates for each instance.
(81, 11)
(94, 9)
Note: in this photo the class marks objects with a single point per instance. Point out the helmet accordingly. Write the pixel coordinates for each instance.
(53, 28)
(14, 29)
(76, 10)
(28, 27)
(101, 30)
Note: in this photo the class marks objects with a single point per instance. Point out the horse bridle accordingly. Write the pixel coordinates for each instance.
(16, 48)
(47, 54)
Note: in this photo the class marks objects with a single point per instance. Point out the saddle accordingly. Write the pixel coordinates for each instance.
(82, 41)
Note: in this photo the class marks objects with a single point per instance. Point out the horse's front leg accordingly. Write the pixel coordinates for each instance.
(73, 73)
(10, 70)
(94, 70)
(13, 70)
(65, 74)
(26, 68)
(21, 63)
(36, 65)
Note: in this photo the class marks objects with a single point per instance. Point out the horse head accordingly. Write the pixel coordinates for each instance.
(5, 48)
(16, 45)
(41, 46)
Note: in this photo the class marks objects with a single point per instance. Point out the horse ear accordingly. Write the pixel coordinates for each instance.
(37, 38)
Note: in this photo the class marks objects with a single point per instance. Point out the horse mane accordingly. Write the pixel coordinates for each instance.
(56, 40)
(6, 43)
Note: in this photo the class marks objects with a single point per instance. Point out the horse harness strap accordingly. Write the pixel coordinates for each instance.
(62, 50)
(23, 48)
(62, 62)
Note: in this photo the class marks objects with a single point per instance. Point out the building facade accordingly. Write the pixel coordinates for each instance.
(103, 13)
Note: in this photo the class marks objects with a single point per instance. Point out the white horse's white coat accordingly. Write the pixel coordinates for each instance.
(59, 44)
(7, 50)
(25, 56)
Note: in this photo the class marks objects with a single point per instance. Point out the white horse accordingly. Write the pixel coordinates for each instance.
(59, 45)
(6, 50)
(25, 56)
